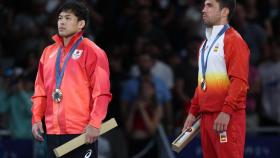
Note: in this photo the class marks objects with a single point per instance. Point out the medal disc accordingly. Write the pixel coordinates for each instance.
(203, 85)
(57, 95)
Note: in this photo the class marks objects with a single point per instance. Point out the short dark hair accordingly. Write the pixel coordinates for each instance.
(78, 8)
(230, 4)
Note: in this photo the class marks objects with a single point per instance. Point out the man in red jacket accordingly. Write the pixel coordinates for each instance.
(72, 87)
(220, 96)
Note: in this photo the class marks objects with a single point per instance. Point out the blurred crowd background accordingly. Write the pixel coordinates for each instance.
(152, 47)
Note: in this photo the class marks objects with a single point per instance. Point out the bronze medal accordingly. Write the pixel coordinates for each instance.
(203, 85)
(57, 95)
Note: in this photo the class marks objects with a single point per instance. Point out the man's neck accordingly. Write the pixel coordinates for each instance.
(66, 40)
(221, 22)
(209, 29)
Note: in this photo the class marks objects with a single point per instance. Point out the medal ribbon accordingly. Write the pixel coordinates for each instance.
(59, 73)
(204, 63)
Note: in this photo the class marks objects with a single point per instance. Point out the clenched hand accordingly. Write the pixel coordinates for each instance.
(37, 129)
(92, 134)
(189, 122)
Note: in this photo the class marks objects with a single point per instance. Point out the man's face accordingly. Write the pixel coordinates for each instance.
(145, 62)
(211, 13)
(68, 24)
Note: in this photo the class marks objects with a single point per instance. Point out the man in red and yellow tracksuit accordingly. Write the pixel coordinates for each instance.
(72, 87)
(220, 97)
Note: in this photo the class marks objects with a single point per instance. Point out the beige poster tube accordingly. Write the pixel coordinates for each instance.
(185, 137)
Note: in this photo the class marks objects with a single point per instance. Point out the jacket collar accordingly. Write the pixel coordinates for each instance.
(58, 39)
(213, 31)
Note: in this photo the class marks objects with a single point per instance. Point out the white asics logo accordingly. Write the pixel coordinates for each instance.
(88, 154)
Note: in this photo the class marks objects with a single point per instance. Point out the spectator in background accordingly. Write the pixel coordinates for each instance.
(265, 10)
(130, 90)
(251, 10)
(116, 137)
(270, 16)
(159, 69)
(192, 20)
(252, 108)
(17, 106)
(144, 116)
(185, 69)
(270, 86)
(3, 96)
(252, 33)
(144, 26)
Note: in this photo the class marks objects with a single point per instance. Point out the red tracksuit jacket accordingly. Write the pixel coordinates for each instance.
(85, 87)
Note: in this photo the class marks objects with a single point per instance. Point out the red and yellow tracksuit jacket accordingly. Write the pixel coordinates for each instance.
(226, 75)
(85, 87)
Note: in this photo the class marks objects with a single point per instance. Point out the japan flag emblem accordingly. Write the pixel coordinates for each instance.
(77, 53)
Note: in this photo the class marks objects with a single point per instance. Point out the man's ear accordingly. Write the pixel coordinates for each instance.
(225, 12)
(81, 24)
